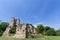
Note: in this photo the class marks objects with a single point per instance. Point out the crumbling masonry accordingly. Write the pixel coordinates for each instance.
(22, 30)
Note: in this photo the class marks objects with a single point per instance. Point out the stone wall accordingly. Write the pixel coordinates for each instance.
(22, 31)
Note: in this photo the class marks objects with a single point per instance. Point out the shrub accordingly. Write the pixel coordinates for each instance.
(12, 30)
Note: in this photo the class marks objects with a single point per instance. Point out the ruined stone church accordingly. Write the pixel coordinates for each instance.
(22, 30)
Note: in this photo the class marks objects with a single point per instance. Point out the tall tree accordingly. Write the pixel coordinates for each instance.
(40, 28)
(3, 26)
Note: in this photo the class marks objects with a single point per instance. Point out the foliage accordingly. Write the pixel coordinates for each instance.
(46, 30)
(3, 26)
(58, 32)
(12, 30)
(50, 32)
(40, 28)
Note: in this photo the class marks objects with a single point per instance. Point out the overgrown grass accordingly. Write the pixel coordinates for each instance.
(39, 38)
(52, 37)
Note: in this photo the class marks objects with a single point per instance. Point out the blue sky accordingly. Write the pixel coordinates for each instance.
(36, 12)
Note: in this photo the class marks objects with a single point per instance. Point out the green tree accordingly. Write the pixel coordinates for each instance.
(0, 31)
(46, 28)
(40, 28)
(50, 32)
(58, 32)
(3, 26)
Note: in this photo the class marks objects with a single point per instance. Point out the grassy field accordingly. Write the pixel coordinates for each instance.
(40, 38)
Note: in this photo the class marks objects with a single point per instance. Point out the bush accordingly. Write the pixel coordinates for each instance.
(12, 30)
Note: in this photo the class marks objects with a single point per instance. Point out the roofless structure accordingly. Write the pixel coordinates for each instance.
(22, 30)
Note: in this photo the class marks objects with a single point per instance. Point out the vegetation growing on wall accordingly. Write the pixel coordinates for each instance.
(13, 30)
